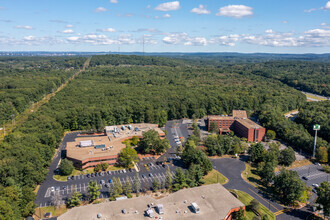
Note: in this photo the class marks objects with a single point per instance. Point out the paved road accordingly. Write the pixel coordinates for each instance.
(232, 169)
(80, 183)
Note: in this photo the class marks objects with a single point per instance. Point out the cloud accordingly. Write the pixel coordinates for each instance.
(310, 10)
(101, 39)
(107, 30)
(166, 16)
(183, 38)
(6, 20)
(201, 10)
(151, 30)
(30, 40)
(327, 6)
(26, 27)
(114, 1)
(168, 6)
(100, 9)
(323, 24)
(58, 21)
(284, 22)
(235, 11)
(223, 40)
(69, 26)
(67, 31)
(269, 31)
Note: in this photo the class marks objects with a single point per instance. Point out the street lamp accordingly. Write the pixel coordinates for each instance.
(315, 128)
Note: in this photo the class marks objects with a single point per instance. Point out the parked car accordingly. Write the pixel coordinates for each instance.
(52, 189)
(68, 178)
(110, 181)
(88, 175)
(107, 185)
(102, 182)
(92, 174)
(72, 177)
(315, 185)
(57, 188)
(151, 175)
(124, 170)
(305, 177)
(64, 187)
(143, 176)
(109, 172)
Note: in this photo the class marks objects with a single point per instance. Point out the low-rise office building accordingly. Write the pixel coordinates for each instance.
(240, 124)
(89, 150)
(204, 202)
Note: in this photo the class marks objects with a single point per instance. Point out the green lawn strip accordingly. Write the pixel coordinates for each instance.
(40, 212)
(214, 177)
(246, 199)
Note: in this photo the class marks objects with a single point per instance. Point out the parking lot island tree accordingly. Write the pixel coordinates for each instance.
(127, 187)
(93, 190)
(66, 167)
(127, 156)
(168, 180)
(74, 200)
(288, 186)
(136, 185)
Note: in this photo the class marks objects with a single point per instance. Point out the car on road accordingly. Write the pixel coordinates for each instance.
(110, 181)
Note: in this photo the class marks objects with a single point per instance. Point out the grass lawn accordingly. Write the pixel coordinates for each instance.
(40, 212)
(297, 163)
(215, 177)
(249, 175)
(246, 199)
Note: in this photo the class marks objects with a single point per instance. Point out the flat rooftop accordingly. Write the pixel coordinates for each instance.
(214, 201)
(113, 145)
(248, 123)
(220, 117)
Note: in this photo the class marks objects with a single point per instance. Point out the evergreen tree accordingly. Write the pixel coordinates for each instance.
(75, 200)
(93, 190)
(168, 180)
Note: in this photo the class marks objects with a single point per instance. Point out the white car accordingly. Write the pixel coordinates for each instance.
(124, 170)
(52, 189)
(315, 185)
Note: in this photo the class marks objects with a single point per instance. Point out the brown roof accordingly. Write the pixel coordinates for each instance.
(248, 123)
(239, 114)
(214, 201)
(83, 153)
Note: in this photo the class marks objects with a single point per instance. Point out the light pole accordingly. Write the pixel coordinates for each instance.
(315, 128)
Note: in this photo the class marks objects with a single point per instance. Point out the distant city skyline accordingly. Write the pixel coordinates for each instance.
(295, 26)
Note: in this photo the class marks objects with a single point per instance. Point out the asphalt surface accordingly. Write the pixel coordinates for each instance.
(145, 176)
(232, 169)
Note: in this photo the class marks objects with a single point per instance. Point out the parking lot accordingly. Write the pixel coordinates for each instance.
(312, 174)
(105, 180)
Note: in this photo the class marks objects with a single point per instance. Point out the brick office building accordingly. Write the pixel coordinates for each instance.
(239, 124)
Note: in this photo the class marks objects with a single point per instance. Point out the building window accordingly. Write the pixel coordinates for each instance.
(257, 134)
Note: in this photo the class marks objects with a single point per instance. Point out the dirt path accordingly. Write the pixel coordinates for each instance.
(21, 118)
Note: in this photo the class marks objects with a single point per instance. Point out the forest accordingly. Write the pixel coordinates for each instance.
(131, 89)
(25, 80)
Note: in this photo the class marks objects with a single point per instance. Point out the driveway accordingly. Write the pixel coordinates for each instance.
(232, 169)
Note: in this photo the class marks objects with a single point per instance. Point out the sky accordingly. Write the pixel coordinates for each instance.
(246, 26)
